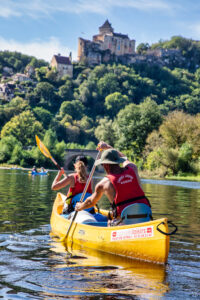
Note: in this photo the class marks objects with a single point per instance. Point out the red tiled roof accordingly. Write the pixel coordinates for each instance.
(62, 60)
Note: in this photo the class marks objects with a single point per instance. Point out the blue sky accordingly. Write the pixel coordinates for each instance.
(46, 27)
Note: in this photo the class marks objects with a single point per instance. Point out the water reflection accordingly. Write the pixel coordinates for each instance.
(108, 274)
(33, 266)
(180, 205)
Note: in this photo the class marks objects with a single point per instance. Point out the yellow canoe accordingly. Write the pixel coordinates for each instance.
(146, 241)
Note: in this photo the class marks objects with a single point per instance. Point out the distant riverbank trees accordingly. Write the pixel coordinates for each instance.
(174, 148)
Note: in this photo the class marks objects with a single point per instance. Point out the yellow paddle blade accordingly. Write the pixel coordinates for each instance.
(42, 147)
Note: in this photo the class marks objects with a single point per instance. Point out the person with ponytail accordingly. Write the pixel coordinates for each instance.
(76, 182)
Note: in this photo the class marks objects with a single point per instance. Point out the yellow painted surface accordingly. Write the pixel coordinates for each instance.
(123, 240)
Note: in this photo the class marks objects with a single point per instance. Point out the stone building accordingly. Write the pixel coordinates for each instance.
(21, 77)
(7, 91)
(105, 46)
(62, 64)
(29, 70)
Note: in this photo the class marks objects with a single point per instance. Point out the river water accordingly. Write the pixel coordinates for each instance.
(34, 265)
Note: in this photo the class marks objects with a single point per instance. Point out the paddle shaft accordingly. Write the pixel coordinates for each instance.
(55, 163)
(83, 195)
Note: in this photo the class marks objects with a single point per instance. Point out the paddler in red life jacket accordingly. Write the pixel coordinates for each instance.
(121, 185)
(75, 181)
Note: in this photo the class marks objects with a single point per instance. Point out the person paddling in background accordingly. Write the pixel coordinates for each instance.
(34, 169)
(76, 181)
(121, 185)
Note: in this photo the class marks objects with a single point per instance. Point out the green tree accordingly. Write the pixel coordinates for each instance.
(65, 91)
(44, 90)
(114, 102)
(176, 143)
(17, 155)
(43, 116)
(7, 144)
(52, 76)
(86, 123)
(24, 127)
(40, 73)
(50, 139)
(142, 48)
(11, 109)
(73, 108)
(134, 123)
(108, 84)
(105, 131)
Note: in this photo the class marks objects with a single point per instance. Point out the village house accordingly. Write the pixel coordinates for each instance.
(21, 77)
(62, 64)
(7, 91)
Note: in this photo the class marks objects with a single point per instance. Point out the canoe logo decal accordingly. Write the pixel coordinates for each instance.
(132, 233)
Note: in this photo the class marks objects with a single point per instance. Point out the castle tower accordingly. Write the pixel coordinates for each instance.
(105, 46)
(106, 28)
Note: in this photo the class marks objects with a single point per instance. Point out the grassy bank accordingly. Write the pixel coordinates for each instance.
(186, 178)
(145, 174)
(7, 166)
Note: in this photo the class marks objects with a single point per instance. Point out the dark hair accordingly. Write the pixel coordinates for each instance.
(82, 158)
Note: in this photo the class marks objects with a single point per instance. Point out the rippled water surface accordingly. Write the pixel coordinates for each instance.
(34, 265)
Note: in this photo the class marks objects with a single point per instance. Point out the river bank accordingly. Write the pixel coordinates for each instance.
(144, 174)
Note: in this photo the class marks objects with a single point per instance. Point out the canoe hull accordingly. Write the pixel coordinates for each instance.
(39, 173)
(140, 241)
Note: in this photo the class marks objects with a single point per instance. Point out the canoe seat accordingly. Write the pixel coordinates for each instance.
(99, 224)
(82, 217)
(136, 213)
(100, 218)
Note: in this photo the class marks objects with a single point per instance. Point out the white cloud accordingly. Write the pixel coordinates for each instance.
(40, 8)
(40, 49)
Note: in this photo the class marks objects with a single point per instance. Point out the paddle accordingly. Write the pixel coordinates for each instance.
(45, 151)
(82, 197)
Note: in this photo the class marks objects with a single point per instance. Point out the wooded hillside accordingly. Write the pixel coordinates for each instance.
(149, 112)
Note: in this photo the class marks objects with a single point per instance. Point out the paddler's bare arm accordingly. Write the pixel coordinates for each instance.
(103, 187)
(59, 184)
(92, 200)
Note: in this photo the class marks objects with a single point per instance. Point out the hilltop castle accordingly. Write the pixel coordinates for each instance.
(105, 46)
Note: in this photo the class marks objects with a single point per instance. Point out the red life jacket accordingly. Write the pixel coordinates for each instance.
(78, 188)
(128, 190)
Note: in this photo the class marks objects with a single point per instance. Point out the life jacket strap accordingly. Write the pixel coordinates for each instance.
(132, 200)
